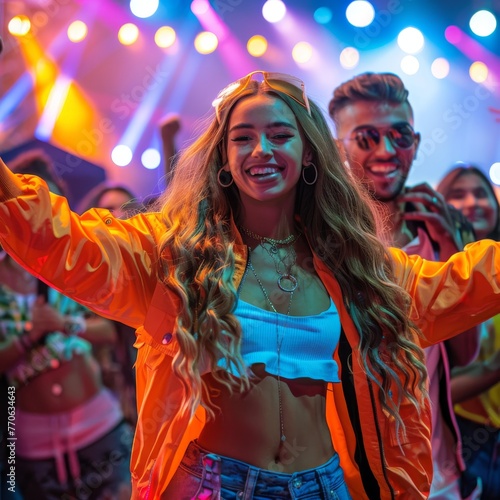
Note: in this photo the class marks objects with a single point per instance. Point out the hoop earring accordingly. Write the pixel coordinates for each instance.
(225, 179)
(313, 181)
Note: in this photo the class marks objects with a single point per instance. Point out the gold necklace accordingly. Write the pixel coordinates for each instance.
(279, 342)
(291, 238)
(287, 282)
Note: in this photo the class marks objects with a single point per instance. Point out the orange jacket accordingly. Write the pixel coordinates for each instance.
(109, 266)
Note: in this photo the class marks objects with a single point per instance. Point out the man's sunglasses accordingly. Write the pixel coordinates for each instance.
(401, 136)
(287, 84)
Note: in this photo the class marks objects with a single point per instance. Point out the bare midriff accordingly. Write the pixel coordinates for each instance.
(247, 426)
(62, 389)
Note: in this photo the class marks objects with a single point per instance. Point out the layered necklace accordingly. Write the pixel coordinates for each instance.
(288, 283)
(283, 264)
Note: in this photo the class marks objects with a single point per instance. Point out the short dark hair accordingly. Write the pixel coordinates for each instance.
(369, 87)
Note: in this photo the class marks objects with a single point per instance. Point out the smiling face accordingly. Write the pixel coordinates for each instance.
(475, 199)
(265, 150)
(384, 168)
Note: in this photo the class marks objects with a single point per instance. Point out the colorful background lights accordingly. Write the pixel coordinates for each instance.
(95, 77)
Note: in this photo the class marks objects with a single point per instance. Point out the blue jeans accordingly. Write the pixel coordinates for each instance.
(206, 476)
(481, 452)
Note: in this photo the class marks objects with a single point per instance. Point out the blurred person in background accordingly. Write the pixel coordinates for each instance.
(71, 437)
(375, 133)
(117, 198)
(476, 388)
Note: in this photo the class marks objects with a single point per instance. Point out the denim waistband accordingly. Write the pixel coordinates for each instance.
(235, 474)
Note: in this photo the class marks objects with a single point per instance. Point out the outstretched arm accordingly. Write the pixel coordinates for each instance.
(106, 264)
(451, 297)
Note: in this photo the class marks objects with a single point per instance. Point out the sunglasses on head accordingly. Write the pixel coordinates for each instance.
(287, 84)
(400, 135)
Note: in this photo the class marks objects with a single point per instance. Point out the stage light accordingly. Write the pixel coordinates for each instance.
(323, 15)
(360, 13)
(410, 65)
(121, 155)
(302, 52)
(453, 35)
(483, 23)
(411, 40)
(151, 159)
(475, 51)
(478, 72)
(257, 46)
(199, 7)
(143, 8)
(52, 108)
(165, 37)
(495, 173)
(77, 31)
(15, 95)
(440, 68)
(273, 11)
(349, 58)
(128, 34)
(205, 42)
(19, 26)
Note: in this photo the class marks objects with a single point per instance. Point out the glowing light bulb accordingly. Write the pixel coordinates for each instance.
(410, 65)
(121, 155)
(206, 42)
(77, 31)
(349, 58)
(411, 40)
(440, 68)
(360, 13)
(165, 37)
(483, 23)
(144, 8)
(151, 159)
(257, 46)
(128, 34)
(273, 11)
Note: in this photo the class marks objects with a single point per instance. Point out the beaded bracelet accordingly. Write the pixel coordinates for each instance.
(74, 325)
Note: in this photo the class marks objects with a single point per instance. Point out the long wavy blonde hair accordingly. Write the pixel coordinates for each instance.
(199, 262)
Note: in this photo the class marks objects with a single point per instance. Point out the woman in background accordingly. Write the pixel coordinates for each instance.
(71, 438)
(117, 198)
(476, 388)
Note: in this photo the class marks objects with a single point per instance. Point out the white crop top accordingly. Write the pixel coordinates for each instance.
(308, 342)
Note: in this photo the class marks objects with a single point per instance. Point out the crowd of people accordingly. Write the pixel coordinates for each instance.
(288, 320)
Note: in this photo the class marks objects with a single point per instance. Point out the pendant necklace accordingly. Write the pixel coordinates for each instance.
(279, 343)
(287, 282)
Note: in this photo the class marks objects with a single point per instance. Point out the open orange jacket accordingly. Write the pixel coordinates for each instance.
(110, 265)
